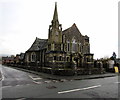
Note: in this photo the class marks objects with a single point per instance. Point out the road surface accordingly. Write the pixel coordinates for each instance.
(21, 85)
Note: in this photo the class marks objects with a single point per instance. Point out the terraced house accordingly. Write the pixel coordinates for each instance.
(64, 50)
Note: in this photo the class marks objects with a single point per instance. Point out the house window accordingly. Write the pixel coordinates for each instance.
(60, 58)
(49, 47)
(88, 59)
(74, 45)
(63, 47)
(67, 58)
(54, 58)
(80, 47)
(68, 46)
(33, 57)
(63, 38)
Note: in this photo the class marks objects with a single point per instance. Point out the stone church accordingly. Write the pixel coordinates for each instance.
(64, 50)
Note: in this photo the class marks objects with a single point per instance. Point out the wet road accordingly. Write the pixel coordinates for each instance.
(19, 84)
(13, 77)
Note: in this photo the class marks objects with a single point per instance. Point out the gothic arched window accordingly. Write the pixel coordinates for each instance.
(63, 38)
(80, 47)
(68, 46)
(33, 57)
(74, 45)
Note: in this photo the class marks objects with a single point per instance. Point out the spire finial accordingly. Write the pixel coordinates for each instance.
(56, 3)
(55, 16)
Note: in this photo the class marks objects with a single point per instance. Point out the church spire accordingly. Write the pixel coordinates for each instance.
(55, 29)
(55, 16)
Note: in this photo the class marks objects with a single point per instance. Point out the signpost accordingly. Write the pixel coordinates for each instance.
(116, 69)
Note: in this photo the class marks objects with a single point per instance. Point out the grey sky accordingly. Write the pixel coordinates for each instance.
(21, 21)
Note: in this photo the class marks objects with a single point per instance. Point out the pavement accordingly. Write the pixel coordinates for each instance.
(0, 76)
(75, 77)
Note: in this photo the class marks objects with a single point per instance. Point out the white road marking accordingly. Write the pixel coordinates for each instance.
(79, 89)
(47, 81)
(14, 86)
(3, 78)
(35, 78)
(54, 80)
(117, 82)
(37, 82)
(6, 86)
(21, 99)
(38, 78)
(63, 80)
(18, 85)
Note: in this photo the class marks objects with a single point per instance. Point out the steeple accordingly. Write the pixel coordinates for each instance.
(55, 29)
(55, 16)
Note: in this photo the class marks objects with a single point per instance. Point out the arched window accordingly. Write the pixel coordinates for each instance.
(54, 58)
(33, 57)
(68, 46)
(67, 58)
(60, 58)
(63, 38)
(74, 45)
(80, 47)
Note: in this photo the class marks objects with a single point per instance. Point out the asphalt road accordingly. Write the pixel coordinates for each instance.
(21, 85)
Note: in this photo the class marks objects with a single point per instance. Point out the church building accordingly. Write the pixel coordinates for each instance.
(64, 50)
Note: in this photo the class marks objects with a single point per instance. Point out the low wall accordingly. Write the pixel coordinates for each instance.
(62, 72)
(0, 62)
(83, 71)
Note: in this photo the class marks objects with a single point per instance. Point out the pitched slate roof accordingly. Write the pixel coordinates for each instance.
(38, 44)
(7, 58)
(72, 31)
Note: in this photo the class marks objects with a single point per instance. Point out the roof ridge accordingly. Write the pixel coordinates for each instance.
(70, 27)
(40, 39)
(38, 44)
(74, 25)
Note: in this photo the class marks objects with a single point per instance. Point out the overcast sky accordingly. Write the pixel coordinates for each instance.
(21, 21)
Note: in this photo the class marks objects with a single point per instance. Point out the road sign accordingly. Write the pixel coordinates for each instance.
(116, 69)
